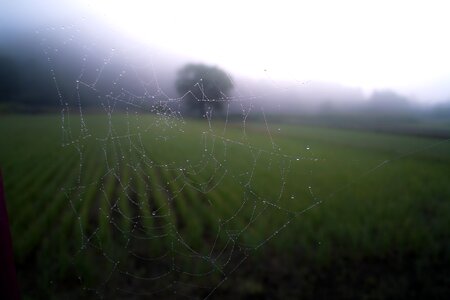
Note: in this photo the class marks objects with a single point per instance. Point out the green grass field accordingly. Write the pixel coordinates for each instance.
(139, 206)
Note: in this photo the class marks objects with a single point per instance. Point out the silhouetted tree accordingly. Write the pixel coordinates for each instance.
(203, 87)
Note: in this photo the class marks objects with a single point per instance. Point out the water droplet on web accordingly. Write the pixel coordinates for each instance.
(307, 148)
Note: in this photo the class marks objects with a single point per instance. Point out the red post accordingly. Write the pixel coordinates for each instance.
(9, 287)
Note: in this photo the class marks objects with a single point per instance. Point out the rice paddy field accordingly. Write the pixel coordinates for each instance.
(135, 206)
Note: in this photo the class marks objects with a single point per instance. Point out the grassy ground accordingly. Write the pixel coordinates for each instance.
(138, 206)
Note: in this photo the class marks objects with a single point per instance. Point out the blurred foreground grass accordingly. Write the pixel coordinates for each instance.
(320, 212)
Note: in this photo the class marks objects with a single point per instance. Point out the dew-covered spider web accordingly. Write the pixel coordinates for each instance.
(166, 203)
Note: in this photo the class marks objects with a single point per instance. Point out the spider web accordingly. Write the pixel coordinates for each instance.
(165, 204)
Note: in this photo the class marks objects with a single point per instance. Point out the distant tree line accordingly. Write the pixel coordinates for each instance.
(25, 83)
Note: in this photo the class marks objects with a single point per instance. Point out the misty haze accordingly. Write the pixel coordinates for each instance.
(219, 150)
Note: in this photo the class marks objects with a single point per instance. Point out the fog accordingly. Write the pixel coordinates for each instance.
(224, 149)
(295, 59)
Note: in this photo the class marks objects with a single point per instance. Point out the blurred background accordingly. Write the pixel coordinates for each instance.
(276, 150)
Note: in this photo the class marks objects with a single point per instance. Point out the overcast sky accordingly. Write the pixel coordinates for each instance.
(401, 45)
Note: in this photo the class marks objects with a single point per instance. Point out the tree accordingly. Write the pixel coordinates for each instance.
(203, 87)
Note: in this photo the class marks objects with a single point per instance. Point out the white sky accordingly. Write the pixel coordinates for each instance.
(403, 45)
(378, 44)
